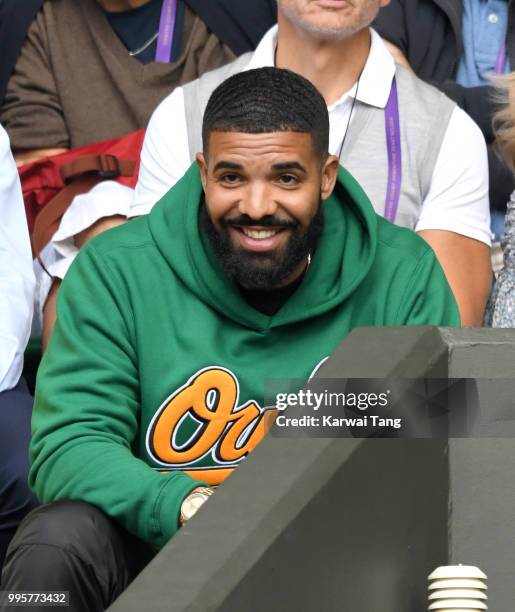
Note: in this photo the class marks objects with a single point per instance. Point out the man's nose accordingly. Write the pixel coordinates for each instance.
(258, 201)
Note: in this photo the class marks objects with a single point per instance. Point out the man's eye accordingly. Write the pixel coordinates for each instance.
(288, 180)
(230, 179)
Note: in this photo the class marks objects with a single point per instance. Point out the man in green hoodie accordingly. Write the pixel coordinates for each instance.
(254, 266)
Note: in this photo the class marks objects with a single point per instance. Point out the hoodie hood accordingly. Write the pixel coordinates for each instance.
(344, 255)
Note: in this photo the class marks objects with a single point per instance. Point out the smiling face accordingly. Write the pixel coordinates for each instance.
(263, 194)
(328, 19)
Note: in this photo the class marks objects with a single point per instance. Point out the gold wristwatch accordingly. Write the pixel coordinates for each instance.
(193, 501)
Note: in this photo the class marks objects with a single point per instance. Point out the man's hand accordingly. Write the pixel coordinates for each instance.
(398, 55)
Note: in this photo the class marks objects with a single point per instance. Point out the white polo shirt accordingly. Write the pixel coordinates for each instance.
(457, 200)
(16, 271)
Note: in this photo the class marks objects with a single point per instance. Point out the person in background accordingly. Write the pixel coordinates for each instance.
(457, 45)
(92, 70)
(55, 100)
(430, 174)
(256, 265)
(16, 304)
(500, 311)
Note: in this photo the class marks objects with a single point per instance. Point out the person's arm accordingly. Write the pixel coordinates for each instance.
(31, 113)
(17, 281)
(165, 156)
(455, 216)
(27, 157)
(468, 269)
(86, 418)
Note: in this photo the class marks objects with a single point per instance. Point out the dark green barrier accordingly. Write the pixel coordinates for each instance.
(354, 525)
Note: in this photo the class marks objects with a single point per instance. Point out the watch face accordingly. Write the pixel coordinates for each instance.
(191, 504)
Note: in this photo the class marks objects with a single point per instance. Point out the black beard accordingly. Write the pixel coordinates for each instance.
(261, 271)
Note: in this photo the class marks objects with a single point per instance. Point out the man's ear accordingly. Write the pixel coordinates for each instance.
(329, 176)
(202, 166)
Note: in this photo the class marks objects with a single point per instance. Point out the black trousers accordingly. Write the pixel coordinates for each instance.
(73, 546)
(16, 499)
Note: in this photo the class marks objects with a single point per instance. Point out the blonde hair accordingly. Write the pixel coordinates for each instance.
(503, 121)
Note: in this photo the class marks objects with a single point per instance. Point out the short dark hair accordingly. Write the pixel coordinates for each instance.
(268, 100)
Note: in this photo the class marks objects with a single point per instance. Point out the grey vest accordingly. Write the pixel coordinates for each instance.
(424, 114)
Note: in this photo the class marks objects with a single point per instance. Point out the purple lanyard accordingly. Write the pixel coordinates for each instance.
(393, 145)
(166, 31)
(501, 60)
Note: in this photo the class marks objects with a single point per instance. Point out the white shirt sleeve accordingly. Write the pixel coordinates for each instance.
(16, 272)
(457, 200)
(165, 156)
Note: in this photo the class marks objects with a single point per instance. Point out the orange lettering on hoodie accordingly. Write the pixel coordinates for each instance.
(211, 398)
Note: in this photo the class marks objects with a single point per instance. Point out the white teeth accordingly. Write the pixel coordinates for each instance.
(258, 234)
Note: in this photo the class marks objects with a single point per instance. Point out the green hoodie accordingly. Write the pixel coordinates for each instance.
(151, 334)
